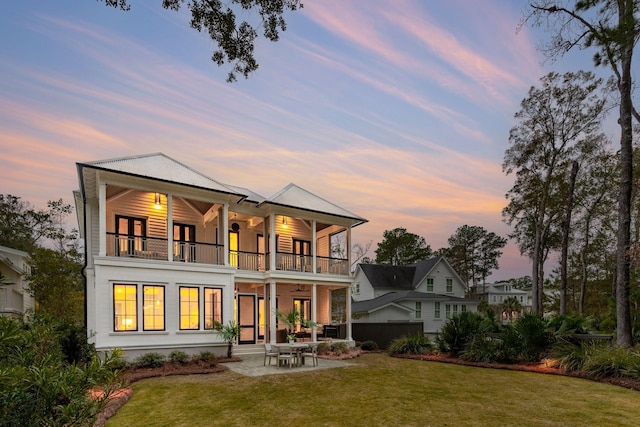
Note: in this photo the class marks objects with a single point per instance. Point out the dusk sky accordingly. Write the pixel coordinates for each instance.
(398, 111)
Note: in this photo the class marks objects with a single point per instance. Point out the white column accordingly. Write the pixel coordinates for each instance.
(170, 226)
(224, 229)
(272, 312)
(348, 312)
(348, 250)
(314, 247)
(102, 219)
(314, 305)
(272, 242)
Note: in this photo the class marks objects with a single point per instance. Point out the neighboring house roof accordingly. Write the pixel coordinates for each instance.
(296, 197)
(8, 262)
(389, 276)
(498, 289)
(392, 298)
(400, 277)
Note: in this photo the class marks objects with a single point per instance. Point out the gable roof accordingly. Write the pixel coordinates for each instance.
(399, 277)
(160, 167)
(392, 298)
(297, 197)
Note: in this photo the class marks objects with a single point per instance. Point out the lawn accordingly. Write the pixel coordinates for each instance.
(379, 390)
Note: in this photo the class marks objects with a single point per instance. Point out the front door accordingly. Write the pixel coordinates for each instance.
(247, 319)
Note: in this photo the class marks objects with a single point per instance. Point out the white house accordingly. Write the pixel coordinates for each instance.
(429, 291)
(170, 251)
(15, 298)
(495, 294)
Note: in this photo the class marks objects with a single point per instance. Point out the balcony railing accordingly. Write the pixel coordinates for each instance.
(144, 247)
(247, 260)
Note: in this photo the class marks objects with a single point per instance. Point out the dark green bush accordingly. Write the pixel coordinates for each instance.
(369, 346)
(481, 348)
(150, 360)
(39, 387)
(179, 357)
(535, 337)
(412, 344)
(457, 331)
(206, 356)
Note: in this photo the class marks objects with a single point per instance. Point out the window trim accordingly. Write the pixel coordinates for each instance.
(205, 305)
(115, 315)
(164, 308)
(180, 315)
(449, 285)
(430, 286)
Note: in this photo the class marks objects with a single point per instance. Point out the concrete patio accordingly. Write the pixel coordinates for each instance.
(252, 364)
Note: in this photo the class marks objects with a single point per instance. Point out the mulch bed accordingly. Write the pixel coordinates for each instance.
(131, 375)
(541, 367)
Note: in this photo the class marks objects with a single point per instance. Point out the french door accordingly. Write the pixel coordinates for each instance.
(247, 319)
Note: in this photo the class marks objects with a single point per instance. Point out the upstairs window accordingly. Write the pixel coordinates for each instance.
(449, 285)
(429, 284)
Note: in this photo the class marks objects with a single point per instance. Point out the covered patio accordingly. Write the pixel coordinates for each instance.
(326, 305)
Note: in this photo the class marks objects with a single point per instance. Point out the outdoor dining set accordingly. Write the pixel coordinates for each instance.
(291, 354)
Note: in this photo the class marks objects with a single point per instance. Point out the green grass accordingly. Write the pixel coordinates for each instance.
(380, 390)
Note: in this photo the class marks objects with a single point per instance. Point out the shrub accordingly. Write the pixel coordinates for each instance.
(179, 357)
(611, 361)
(369, 346)
(412, 344)
(339, 347)
(206, 356)
(481, 348)
(40, 387)
(150, 360)
(323, 348)
(457, 331)
(535, 337)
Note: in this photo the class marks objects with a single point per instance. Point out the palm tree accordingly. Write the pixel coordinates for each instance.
(229, 332)
(510, 308)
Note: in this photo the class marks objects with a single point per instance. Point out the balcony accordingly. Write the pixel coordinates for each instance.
(154, 248)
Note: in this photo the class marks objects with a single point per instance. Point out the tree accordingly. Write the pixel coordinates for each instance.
(55, 279)
(473, 252)
(22, 226)
(510, 307)
(235, 40)
(612, 29)
(556, 123)
(400, 247)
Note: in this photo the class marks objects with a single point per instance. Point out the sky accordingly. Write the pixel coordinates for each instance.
(397, 111)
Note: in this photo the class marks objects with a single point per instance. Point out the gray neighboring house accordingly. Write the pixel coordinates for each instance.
(429, 291)
(15, 298)
(495, 294)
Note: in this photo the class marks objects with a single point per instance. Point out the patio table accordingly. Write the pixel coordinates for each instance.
(297, 348)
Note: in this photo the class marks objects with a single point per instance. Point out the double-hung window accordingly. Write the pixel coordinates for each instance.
(125, 308)
(153, 308)
(436, 309)
(449, 285)
(447, 311)
(418, 309)
(429, 284)
(212, 307)
(189, 308)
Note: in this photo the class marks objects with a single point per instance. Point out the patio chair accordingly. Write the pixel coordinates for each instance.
(269, 352)
(312, 352)
(286, 355)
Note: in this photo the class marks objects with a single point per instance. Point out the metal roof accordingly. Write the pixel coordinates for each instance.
(296, 197)
(161, 167)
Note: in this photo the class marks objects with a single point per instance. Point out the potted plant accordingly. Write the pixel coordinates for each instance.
(291, 319)
(229, 332)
